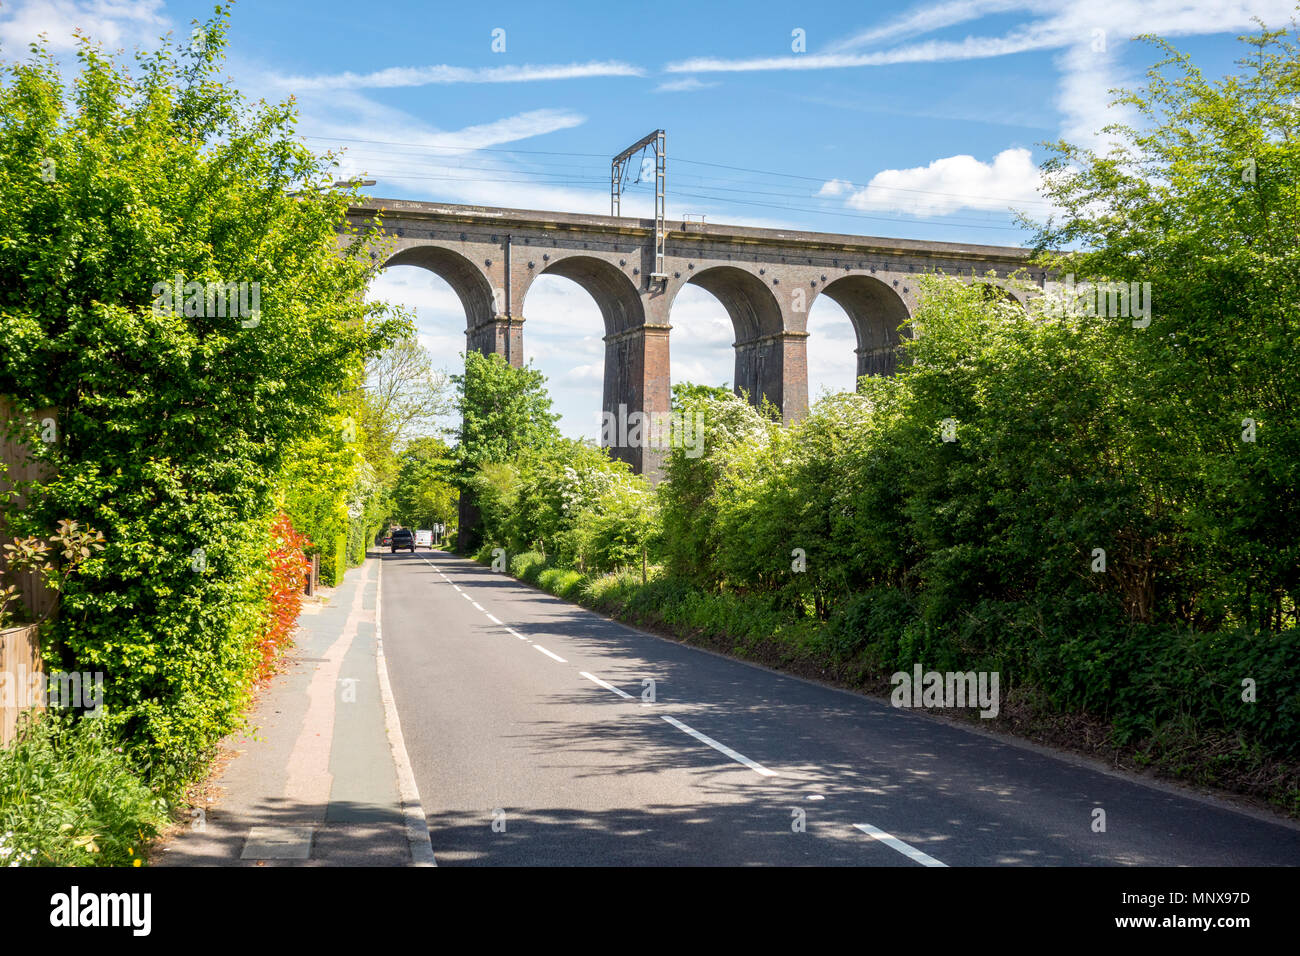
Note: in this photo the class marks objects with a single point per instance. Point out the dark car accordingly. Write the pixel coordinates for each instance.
(403, 538)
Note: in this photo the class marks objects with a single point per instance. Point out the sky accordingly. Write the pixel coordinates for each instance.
(918, 120)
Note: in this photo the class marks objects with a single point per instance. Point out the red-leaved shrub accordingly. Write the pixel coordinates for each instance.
(289, 570)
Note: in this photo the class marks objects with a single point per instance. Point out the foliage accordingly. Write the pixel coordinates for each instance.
(505, 411)
(289, 570)
(403, 398)
(570, 501)
(68, 797)
(505, 415)
(689, 496)
(41, 556)
(317, 481)
(176, 426)
(1202, 203)
(424, 493)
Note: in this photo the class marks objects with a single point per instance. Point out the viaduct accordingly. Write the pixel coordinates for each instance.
(767, 279)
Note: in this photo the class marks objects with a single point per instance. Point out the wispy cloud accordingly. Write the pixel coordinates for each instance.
(1062, 24)
(508, 129)
(685, 85)
(927, 19)
(445, 164)
(933, 51)
(403, 76)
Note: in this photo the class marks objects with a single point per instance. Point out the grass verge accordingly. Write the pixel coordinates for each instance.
(69, 798)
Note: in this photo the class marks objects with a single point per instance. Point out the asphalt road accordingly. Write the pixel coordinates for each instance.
(531, 744)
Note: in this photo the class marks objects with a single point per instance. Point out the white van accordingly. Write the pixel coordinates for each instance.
(423, 539)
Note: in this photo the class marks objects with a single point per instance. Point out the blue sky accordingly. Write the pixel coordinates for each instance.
(895, 119)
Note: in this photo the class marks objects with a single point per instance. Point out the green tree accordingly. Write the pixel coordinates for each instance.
(402, 400)
(424, 494)
(177, 415)
(505, 411)
(505, 415)
(1202, 201)
(689, 496)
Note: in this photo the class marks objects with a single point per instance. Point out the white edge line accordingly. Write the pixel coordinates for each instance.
(596, 680)
(721, 748)
(417, 824)
(550, 655)
(911, 852)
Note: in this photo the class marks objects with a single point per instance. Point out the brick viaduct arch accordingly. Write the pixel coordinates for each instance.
(766, 279)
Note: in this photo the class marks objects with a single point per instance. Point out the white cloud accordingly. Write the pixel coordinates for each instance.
(932, 51)
(450, 165)
(1061, 24)
(832, 361)
(713, 369)
(687, 85)
(952, 183)
(590, 374)
(445, 164)
(1089, 34)
(404, 76)
(926, 19)
(1084, 97)
(1086, 31)
(701, 340)
(419, 289)
(114, 23)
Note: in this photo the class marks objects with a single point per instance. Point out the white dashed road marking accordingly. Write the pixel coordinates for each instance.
(596, 680)
(721, 748)
(911, 852)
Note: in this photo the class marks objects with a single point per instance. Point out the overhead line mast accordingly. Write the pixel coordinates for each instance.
(618, 172)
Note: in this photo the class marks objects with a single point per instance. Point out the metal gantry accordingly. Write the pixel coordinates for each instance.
(618, 172)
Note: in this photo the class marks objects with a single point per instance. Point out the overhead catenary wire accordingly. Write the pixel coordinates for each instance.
(693, 162)
(851, 183)
(705, 187)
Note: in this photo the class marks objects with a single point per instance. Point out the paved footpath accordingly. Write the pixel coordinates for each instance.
(317, 782)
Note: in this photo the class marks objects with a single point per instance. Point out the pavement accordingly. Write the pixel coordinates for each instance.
(316, 780)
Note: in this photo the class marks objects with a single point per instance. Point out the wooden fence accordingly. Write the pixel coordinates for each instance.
(20, 656)
(20, 660)
(16, 468)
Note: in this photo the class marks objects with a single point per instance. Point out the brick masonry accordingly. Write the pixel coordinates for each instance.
(767, 279)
